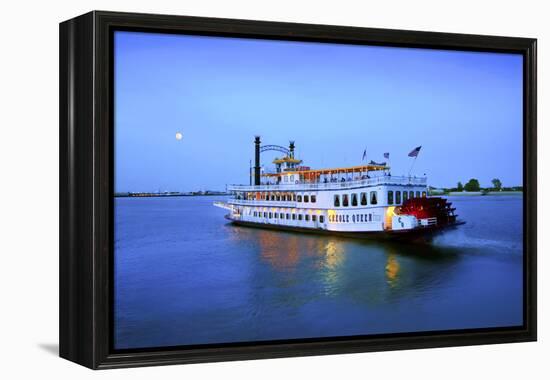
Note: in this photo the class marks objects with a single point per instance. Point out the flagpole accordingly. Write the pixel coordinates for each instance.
(414, 161)
(250, 172)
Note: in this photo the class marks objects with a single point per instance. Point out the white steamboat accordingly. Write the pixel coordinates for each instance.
(359, 201)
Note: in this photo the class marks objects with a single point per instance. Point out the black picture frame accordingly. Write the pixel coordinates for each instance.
(86, 187)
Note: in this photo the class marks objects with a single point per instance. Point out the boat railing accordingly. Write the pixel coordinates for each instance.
(247, 202)
(381, 180)
(428, 222)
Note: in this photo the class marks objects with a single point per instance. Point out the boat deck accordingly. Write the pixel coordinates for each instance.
(305, 186)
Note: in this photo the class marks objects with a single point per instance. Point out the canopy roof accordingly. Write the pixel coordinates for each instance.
(286, 159)
(349, 169)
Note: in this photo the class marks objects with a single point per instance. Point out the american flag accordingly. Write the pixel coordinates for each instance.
(415, 151)
(387, 156)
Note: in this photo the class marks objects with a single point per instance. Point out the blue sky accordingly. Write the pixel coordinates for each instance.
(464, 108)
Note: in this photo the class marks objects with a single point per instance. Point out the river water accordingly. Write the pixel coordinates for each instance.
(184, 276)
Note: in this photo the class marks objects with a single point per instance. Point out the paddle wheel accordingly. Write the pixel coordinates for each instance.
(437, 210)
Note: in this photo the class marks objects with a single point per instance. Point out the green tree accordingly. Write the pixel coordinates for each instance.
(497, 184)
(459, 187)
(472, 185)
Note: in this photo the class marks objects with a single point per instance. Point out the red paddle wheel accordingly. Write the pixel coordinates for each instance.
(425, 208)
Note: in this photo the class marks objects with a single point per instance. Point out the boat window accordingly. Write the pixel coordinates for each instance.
(278, 197)
(373, 198)
(345, 200)
(370, 217)
(390, 197)
(423, 194)
(411, 195)
(306, 198)
(353, 218)
(270, 215)
(321, 219)
(354, 199)
(363, 199)
(299, 216)
(313, 198)
(265, 214)
(276, 215)
(340, 218)
(336, 200)
(418, 194)
(288, 216)
(293, 216)
(397, 197)
(282, 216)
(307, 218)
(405, 196)
(361, 217)
(299, 198)
(347, 218)
(313, 218)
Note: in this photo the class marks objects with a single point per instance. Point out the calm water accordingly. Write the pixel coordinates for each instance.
(185, 276)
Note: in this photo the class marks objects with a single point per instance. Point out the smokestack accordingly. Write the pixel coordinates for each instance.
(257, 143)
(291, 148)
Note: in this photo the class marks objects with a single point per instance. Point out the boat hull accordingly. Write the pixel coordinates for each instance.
(420, 235)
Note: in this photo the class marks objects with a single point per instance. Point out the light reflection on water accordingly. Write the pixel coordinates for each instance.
(182, 280)
(392, 271)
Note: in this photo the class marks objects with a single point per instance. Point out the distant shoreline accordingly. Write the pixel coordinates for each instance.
(479, 193)
(164, 195)
(215, 193)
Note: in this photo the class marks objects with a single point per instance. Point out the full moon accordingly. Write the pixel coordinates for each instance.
(179, 136)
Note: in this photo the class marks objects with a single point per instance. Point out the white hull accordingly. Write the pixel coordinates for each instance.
(355, 206)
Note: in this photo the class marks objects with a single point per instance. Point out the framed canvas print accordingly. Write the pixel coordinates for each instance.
(236, 189)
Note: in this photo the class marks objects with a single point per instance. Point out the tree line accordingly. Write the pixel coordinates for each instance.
(473, 185)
